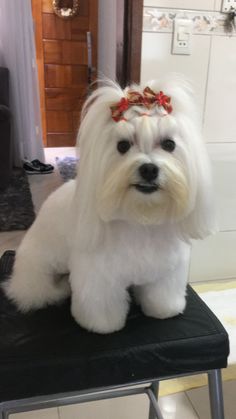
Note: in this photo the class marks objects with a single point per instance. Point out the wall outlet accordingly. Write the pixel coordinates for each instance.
(182, 36)
(228, 5)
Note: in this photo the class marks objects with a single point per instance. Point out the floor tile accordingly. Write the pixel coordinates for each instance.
(200, 401)
(42, 186)
(177, 406)
(37, 414)
(10, 240)
(123, 408)
(52, 152)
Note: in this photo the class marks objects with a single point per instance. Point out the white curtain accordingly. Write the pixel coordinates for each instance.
(17, 53)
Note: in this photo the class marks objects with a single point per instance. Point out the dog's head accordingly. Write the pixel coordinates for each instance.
(143, 159)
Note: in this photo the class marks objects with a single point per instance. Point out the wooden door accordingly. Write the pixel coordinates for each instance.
(62, 55)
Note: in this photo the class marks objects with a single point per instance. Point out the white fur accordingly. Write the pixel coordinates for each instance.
(104, 234)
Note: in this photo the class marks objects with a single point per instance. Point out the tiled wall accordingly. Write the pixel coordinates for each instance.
(212, 68)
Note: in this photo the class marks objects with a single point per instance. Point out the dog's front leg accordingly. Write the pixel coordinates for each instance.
(165, 296)
(161, 299)
(99, 303)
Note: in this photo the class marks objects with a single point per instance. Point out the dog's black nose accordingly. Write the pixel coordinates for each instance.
(148, 171)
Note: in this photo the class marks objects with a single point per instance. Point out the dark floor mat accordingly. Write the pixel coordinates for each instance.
(16, 205)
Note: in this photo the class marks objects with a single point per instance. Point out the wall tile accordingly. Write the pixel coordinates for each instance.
(223, 157)
(157, 60)
(218, 4)
(213, 258)
(220, 121)
(182, 4)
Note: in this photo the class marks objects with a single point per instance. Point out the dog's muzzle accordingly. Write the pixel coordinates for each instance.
(148, 173)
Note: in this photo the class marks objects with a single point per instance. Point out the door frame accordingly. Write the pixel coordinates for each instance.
(129, 41)
(36, 7)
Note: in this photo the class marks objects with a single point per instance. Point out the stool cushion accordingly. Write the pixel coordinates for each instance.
(47, 352)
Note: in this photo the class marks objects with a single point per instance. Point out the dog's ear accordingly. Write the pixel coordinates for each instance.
(201, 220)
(87, 105)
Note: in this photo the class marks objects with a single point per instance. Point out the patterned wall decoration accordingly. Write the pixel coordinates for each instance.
(204, 23)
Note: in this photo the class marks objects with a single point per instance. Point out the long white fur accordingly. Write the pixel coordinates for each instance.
(96, 236)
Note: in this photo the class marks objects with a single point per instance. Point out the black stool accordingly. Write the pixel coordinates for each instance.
(47, 360)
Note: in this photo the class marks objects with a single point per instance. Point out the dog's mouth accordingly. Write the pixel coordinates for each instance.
(146, 187)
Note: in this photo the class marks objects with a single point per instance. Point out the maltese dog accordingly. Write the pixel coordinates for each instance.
(143, 191)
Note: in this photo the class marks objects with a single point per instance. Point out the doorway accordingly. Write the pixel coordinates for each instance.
(66, 50)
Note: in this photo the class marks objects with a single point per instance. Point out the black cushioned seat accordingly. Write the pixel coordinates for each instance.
(46, 352)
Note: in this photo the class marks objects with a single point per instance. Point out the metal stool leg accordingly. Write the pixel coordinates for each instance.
(154, 410)
(216, 394)
(3, 415)
(3, 412)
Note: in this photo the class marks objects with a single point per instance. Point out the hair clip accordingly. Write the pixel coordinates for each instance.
(149, 99)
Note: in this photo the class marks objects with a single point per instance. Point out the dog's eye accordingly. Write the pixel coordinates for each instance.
(123, 146)
(168, 144)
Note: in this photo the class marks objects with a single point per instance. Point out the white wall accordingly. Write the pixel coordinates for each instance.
(107, 38)
(212, 68)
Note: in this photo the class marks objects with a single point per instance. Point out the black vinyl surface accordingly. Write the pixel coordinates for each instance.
(46, 352)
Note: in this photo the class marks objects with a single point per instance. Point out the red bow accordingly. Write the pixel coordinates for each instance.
(149, 99)
(152, 99)
(133, 98)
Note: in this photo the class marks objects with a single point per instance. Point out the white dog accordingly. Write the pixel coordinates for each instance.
(143, 190)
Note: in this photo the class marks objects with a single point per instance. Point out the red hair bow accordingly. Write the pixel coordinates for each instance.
(152, 99)
(149, 99)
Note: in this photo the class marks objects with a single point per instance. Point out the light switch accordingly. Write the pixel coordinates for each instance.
(182, 36)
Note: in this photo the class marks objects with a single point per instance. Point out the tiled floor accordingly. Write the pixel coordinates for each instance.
(191, 404)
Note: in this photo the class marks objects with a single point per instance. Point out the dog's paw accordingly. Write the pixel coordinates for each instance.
(42, 293)
(99, 321)
(161, 310)
(103, 326)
